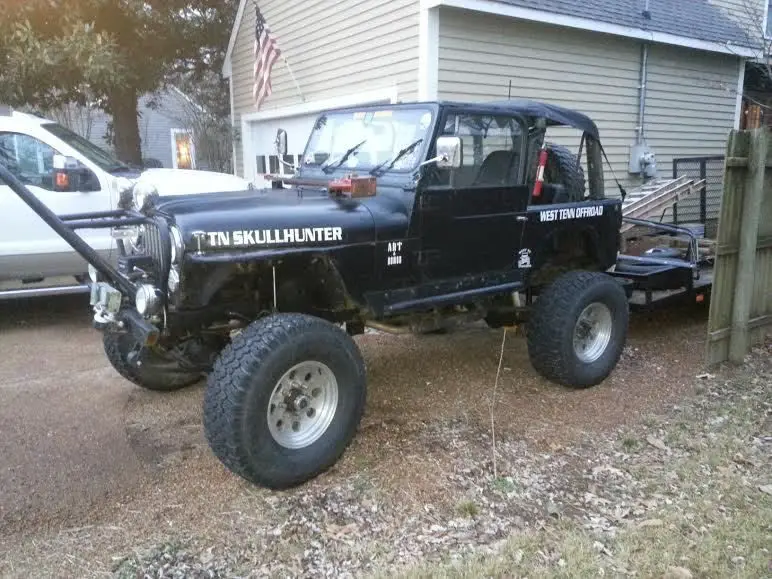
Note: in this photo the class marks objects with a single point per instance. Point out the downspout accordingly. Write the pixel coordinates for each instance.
(644, 74)
(642, 93)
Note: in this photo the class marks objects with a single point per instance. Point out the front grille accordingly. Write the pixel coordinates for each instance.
(149, 253)
(154, 247)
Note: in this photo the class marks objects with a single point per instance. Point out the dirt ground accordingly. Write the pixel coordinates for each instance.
(94, 469)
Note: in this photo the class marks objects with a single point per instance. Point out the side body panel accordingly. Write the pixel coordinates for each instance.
(595, 224)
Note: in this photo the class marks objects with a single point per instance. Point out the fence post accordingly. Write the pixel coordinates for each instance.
(749, 230)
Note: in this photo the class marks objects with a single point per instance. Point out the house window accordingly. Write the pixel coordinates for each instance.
(183, 149)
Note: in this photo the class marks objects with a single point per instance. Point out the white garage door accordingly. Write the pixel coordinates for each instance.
(263, 135)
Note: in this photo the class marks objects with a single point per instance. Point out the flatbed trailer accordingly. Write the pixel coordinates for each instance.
(665, 276)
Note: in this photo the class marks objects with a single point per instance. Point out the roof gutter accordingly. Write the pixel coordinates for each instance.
(533, 15)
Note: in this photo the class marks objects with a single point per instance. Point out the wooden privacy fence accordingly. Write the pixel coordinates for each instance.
(741, 304)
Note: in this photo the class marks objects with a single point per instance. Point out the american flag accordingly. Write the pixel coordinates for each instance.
(266, 55)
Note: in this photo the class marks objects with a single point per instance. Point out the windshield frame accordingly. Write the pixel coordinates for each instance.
(97, 155)
(421, 151)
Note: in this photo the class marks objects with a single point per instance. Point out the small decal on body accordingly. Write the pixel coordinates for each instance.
(394, 253)
(524, 259)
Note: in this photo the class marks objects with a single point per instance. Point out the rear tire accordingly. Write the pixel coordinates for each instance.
(275, 427)
(118, 348)
(578, 329)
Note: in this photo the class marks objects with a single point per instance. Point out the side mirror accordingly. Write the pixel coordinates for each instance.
(69, 175)
(450, 153)
(281, 142)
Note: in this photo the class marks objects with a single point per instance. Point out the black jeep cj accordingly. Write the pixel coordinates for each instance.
(402, 218)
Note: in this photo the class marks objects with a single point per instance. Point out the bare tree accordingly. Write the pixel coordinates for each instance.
(78, 118)
(756, 33)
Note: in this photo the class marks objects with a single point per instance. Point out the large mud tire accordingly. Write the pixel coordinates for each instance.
(578, 329)
(118, 348)
(253, 398)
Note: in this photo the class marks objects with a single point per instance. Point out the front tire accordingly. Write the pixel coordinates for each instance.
(120, 347)
(578, 329)
(284, 400)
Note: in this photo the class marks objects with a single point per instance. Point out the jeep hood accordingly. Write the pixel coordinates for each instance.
(270, 219)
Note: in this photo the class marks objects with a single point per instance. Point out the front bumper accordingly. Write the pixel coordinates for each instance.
(111, 314)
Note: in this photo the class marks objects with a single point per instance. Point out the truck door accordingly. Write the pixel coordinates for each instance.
(472, 216)
(28, 247)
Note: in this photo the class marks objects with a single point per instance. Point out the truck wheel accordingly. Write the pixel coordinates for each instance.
(564, 169)
(118, 348)
(284, 400)
(578, 329)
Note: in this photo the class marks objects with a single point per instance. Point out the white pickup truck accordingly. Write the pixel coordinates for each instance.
(34, 260)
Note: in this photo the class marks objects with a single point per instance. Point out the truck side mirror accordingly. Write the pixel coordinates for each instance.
(69, 175)
(281, 142)
(450, 153)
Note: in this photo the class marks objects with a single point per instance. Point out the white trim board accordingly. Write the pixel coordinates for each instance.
(389, 94)
(428, 53)
(372, 96)
(501, 9)
(227, 68)
(740, 90)
(233, 127)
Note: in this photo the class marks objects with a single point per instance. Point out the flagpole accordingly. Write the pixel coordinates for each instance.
(297, 86)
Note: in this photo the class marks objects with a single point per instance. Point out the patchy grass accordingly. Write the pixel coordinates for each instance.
(711, 506)
(630, 443)
(468, 509)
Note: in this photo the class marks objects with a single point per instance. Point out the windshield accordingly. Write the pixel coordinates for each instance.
(98, 156)
(372, 138)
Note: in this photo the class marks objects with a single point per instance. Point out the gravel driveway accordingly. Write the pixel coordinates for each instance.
(83, 451)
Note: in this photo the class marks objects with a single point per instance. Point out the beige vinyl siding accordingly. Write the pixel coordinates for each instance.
(691, 103)
(690, 110)
(691, 98)
(593, 73)
(333, 47)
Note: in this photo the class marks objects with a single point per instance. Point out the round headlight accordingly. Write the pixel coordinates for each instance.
(148, 300)
(142, 194)
(178, 246)
(93, 274)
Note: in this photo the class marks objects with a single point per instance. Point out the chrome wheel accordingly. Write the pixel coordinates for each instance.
(302, 405)
(592, 332)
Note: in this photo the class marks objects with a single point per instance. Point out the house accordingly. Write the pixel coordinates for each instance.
(664, 74)
(164, 128)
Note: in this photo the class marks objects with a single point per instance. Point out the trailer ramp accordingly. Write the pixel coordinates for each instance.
(653, 199)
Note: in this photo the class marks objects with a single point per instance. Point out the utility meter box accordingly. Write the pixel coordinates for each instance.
(642, 161)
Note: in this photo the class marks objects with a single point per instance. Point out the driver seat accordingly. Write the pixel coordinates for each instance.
(496, 169)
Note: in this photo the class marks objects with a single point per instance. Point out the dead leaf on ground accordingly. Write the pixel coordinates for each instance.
(678, 573)
(740, 459)
(342, 531)
(657, 443)
(651, 523)
(766, 489)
